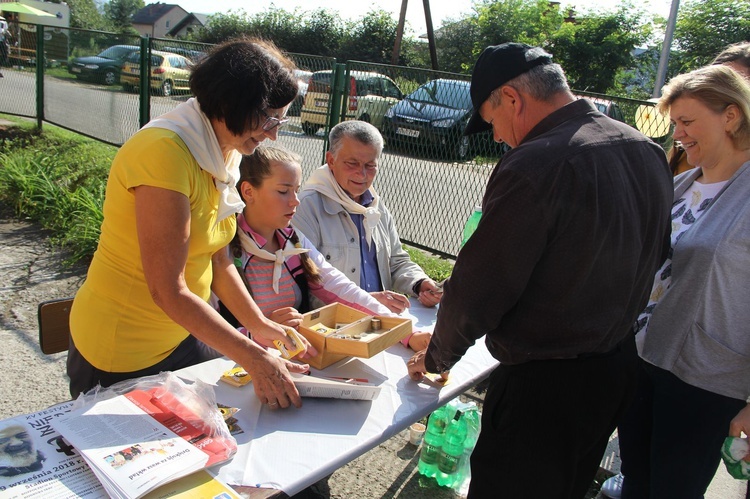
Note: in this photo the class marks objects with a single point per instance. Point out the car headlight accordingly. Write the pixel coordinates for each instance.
(389, 113)
(91, 66)
(447, 123)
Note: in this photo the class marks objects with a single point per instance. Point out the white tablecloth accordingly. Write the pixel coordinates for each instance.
(294, 448)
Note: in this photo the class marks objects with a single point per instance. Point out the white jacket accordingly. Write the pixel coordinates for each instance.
(329, 228)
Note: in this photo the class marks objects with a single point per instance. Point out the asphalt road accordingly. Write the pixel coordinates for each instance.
(430, 199)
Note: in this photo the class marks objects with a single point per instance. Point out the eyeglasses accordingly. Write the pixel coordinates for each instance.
(356, 166)
(272, 122)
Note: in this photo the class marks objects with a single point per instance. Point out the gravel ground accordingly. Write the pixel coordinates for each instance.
(32, 271)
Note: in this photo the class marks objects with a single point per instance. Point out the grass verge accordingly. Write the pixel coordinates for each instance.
(57, 179)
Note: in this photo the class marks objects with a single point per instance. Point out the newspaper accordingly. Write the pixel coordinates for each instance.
(129, 442)
(35, 460)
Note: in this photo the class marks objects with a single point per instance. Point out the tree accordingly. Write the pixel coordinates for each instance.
(524, 21)
(120, 13)
(319, 32)
(279, 25)
(222, 27)
(85, 15)
(454, 41)
(704, 28)
(370, 38)
(599, 45)
(324, 31)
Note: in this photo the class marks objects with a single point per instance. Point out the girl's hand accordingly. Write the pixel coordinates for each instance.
(420, 340)
(396, 302)
(287, 316)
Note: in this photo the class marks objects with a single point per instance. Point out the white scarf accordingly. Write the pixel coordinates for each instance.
(250, 246)
(323, 181)
(194, 128)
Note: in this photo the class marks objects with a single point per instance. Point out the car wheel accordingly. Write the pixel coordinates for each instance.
(462, 147)
(166, 88)
(110, 77)
(309, 128)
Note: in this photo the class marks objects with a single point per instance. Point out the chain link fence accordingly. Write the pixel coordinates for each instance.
(106, 86)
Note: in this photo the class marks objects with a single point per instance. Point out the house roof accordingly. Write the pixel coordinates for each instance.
(187, 20)
(153, 12)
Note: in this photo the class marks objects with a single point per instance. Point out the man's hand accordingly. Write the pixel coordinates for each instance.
(396, 302)
(430, 293)
(417, 369)
(416, 366)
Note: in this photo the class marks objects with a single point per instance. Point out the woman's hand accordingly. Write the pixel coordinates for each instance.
(396, 302)
(287, 316)
(272, 382)
(270, 331)
(429, 293)
(740, 423)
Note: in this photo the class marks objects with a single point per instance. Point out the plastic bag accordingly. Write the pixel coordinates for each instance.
(733, 453)
(470, 412)
(188, 410)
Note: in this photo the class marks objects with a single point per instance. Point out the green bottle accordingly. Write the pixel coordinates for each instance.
(471, 224)
(449, 460)
(433, 440)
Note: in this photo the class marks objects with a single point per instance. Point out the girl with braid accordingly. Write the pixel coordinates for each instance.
(279, 266)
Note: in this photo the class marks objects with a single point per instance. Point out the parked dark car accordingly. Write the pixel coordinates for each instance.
(432, 119)
(104, 67)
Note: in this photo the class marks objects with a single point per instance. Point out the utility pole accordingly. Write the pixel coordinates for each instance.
(430, 34)
(661, 73)
(400, 34)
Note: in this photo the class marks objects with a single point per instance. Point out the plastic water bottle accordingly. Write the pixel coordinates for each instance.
(433, 440)
(463, 475)
(449, 460)
(471, 224)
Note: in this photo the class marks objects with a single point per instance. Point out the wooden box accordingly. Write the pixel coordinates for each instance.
(360, 341)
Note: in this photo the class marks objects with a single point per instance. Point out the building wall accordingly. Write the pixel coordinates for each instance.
(61, 11)
(166, 22)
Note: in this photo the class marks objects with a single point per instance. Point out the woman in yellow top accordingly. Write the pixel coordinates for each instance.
(169, 212)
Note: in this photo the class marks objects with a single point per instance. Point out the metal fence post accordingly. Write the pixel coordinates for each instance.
(145, 83)
(338, 99)
(40, 62)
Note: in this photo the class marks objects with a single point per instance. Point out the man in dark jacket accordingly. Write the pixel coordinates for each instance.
(576, 220)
